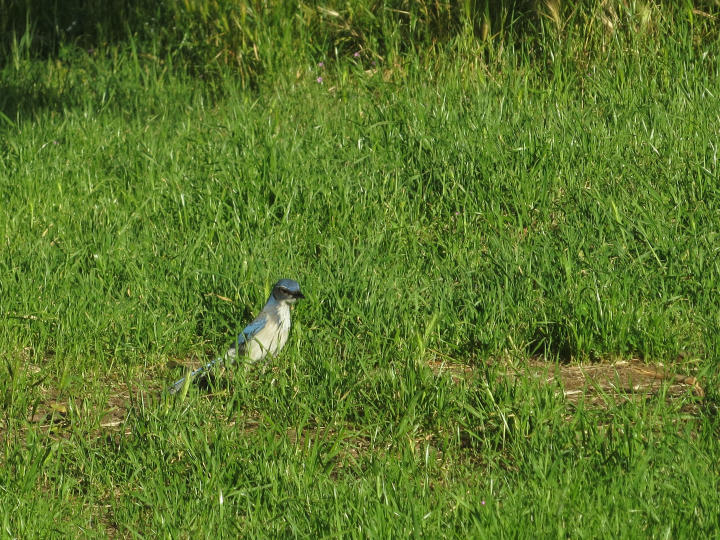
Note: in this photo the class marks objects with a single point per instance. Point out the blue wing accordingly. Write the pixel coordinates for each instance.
(251, 330)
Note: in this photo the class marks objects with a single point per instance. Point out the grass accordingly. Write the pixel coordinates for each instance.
(440, 211)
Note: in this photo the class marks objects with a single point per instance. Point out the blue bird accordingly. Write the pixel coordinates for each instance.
(266, 334)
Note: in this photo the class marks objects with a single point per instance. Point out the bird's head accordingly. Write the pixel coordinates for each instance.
(287, 290)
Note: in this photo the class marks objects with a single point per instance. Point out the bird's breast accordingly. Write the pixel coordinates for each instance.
(272, 338)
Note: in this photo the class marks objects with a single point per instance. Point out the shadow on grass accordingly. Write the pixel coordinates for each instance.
(39, 27)
(551, 340)
(18, 100)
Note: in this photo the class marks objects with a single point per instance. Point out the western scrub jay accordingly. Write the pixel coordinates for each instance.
(266, 334)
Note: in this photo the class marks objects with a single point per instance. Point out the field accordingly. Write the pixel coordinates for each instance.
(511, 257)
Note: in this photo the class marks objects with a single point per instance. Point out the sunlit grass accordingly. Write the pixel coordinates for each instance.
(437, 212)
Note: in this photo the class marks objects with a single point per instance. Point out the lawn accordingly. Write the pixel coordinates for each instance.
(477, 239)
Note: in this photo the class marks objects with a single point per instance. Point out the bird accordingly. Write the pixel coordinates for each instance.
(266, 334)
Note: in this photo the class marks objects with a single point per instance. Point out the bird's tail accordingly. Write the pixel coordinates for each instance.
(203, 371)
(175, 388)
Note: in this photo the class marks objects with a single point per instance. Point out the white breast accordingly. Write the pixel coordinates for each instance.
(273, 337)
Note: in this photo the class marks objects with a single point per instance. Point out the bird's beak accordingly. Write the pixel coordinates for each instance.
(299, 295)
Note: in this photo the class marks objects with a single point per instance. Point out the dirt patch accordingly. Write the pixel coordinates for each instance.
(56, 411)
(596, 383)
(618, 380)
(455, 370)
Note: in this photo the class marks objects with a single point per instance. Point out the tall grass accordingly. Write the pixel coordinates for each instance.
(259, 39)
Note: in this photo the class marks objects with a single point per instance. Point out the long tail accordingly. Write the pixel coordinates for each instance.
(202, 371)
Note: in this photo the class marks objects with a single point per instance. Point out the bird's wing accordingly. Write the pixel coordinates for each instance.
(251, 330)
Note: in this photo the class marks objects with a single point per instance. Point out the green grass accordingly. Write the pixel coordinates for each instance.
(536, 205)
